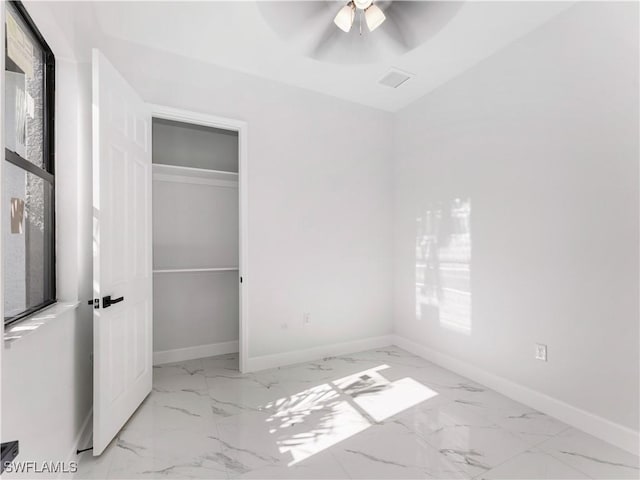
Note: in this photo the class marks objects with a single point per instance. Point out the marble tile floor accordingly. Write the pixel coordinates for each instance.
(379, 414)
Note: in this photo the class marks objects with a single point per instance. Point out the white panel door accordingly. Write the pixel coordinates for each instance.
(122, 265)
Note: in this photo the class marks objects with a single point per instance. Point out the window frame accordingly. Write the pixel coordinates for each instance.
(47, 173)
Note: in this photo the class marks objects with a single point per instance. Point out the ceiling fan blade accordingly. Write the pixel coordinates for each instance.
(412, 23)
(392, 29)
(326, 42)
(290, 19)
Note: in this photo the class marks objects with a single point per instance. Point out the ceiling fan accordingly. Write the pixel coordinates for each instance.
(323, 29)
(374, 16)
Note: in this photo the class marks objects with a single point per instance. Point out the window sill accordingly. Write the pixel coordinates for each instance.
(27, 326)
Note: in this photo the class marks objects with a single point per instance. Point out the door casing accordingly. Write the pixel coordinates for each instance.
(198, 118)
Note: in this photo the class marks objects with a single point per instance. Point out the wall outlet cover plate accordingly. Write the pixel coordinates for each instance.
(541, 352)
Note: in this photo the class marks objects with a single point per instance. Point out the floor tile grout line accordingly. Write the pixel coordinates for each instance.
(586, 476)
(482, 473)
(344, 470)
(560, 459)
(529, 449)
(435, 448)
(220, 448)
(492, 424)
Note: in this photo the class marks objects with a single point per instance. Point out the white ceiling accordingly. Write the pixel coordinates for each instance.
(237, 36)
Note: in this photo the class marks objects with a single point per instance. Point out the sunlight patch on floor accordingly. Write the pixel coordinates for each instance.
(322, 416)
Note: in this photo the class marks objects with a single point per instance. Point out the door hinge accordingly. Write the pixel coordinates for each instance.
(95, 302)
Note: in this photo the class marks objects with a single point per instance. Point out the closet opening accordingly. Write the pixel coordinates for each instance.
(197, 237)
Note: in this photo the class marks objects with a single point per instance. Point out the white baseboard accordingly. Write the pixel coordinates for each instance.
(298, 356)
(190, 353)
(80, 440)
(618, 435)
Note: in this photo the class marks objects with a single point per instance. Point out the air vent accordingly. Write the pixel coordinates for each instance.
(394, 78)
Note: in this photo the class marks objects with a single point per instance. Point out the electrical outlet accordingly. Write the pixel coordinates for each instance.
(306, 318)
(541, 352)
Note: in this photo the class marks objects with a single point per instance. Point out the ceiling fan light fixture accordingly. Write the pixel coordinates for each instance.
(344, 18)
(362, 4)
(374, 17)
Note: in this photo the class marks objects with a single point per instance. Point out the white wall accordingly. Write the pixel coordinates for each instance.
(176, 143)
(319, 198)
(194, 226)
(47, 376)
(194, 310)
(542, 139)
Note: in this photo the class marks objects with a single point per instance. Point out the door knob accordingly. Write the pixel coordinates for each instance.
(107, 301)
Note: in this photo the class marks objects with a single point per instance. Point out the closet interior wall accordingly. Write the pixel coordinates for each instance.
(195, 237)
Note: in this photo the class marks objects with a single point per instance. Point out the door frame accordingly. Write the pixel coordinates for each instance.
(199, 118)
(2, 35)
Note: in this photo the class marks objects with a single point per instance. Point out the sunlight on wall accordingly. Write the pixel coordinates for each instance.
(443, 265)
(322, 416)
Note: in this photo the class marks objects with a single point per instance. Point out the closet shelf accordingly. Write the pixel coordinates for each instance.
(174, 173)
(195, 270)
